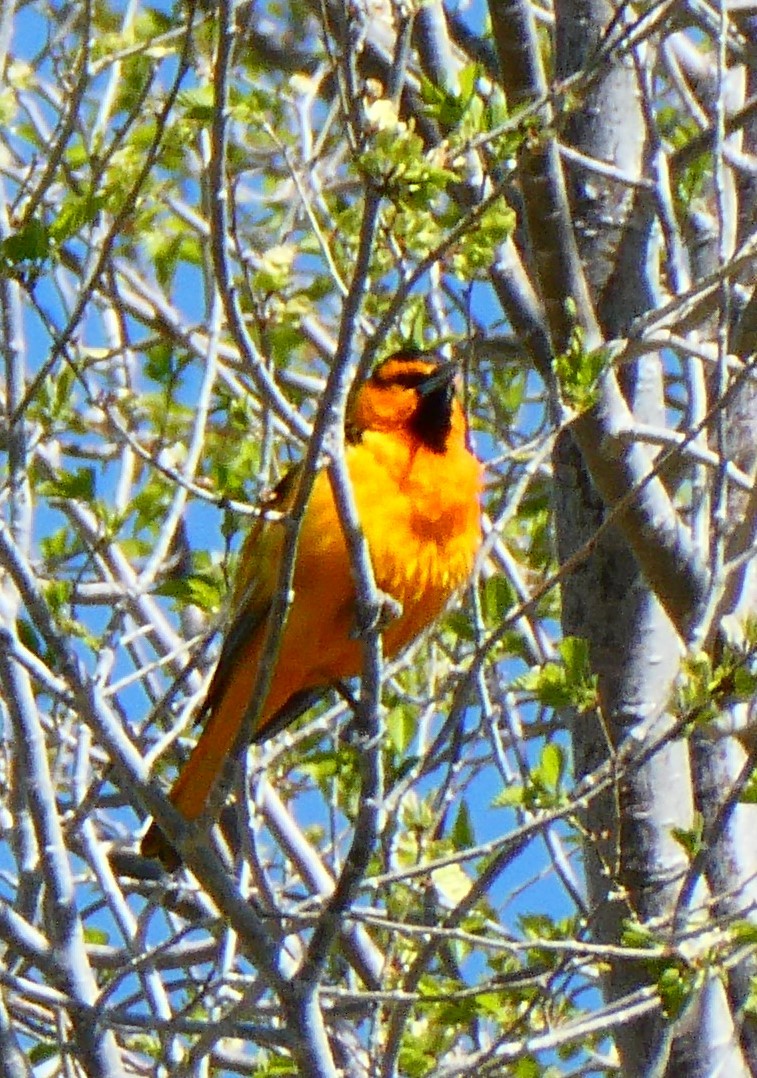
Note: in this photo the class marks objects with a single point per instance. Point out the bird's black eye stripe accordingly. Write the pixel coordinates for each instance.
(408, 381)
(406, 369)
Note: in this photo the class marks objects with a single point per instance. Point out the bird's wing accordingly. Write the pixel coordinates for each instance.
(254, 585)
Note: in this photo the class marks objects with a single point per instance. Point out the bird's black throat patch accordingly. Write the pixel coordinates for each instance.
(432, 420)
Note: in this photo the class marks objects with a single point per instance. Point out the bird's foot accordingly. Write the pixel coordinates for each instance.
(377, 616)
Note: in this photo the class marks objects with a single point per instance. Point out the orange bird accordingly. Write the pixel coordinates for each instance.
(416, 487)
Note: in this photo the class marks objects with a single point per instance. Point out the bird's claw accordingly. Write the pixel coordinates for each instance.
(377, 616)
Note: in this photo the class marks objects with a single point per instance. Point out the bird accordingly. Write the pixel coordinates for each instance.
(417, 489)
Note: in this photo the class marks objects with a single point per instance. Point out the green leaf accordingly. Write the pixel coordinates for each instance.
(401, 725)
(78, 485)
(460, 624)
(29, 637)
(574, 651)
(744, 931)
(276, 1066)
(547, 684)
(396, 159)
(198, 589)
(638, 936)
(40, 1053)
(444, 106)
(58, 545)
(511, 797)
(674, 986)
(551, 766)
(579, 372)
(691, 839)
(567, 684)
(451, 883)
(748, 795)
(478, 248)
(197, 103)
(489, 1005)
(463, 834)
(509, 388)
(528, 1067)
(74, 214)
(58, 594)
(322, 765)
(29, 244)
(497, 597)
(96, 936)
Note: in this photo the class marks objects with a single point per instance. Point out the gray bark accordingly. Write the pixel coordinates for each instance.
(635, 867)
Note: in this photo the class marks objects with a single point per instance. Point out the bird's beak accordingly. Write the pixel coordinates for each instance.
(444, 375)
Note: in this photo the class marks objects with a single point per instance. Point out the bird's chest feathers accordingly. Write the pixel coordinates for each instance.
(420, 515)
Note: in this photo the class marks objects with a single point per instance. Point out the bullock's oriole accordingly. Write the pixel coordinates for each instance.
(416, 487)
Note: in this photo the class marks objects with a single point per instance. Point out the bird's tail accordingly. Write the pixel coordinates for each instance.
(196, 780)
(225, 705)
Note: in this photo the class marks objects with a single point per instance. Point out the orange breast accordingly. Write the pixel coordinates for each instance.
(422, 535)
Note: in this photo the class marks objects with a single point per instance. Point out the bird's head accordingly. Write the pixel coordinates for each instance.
(411, 392)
